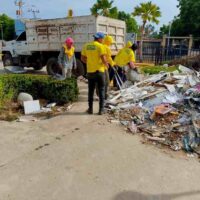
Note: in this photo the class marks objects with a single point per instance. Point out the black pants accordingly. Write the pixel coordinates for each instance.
(107, 83)
(97, 78)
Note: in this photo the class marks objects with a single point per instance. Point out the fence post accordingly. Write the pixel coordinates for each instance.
(164, 41)
(190, 45)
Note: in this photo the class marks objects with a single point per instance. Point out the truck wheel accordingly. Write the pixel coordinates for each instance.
(80, 71)
(7, 60)
(53, 67)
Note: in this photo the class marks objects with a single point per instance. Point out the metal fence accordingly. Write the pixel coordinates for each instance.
(158, 55)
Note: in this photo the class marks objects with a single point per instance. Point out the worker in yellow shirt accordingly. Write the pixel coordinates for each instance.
(93, 54)
(107, 42)
(125, 57)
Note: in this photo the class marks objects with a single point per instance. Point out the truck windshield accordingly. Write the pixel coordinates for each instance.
(22, 37)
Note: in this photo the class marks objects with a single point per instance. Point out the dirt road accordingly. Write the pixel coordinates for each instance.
(81, 157)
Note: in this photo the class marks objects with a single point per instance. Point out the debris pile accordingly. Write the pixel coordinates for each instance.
(163, 108)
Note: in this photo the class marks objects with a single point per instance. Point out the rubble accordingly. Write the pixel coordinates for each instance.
(163, 108)
(27, 118)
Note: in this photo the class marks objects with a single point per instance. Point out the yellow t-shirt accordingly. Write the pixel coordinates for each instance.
(124, 56)
(93, 51)
(109, 56)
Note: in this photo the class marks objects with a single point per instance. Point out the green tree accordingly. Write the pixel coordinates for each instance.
(164, 30)
(113, 13)
(148, 12)
(104, 8)
(177, 28)
(188, 20)
(131, 23)
(8, 27)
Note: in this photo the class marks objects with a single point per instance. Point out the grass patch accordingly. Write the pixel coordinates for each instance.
(157, 69)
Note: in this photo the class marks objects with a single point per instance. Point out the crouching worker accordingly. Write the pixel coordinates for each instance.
(66, 58)
(93, 54)
(125, 57)
(131, 71)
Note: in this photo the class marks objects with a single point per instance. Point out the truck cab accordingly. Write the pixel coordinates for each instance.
(15, 49)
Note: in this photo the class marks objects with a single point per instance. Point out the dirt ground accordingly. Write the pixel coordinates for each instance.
(77, 156)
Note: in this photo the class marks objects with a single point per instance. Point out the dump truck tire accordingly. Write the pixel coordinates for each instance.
(53, 67)
(7, 60)
(80, 71)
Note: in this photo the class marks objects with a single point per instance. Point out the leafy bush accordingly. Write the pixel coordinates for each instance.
(6, 95)
(39, 86)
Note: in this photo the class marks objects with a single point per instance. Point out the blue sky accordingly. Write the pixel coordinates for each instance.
(58, 8)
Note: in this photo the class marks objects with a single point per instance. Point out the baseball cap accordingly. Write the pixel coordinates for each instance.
(108, 40)
(69, 40)
(99, 35)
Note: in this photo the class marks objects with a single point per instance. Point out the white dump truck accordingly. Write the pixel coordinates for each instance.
(40, 44)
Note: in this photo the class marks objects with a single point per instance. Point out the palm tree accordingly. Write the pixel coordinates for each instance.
(148, 12)
(102, 7)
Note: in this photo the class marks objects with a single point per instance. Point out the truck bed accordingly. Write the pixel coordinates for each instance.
(50, 34)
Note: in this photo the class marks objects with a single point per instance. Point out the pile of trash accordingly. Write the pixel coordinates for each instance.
(164, 108)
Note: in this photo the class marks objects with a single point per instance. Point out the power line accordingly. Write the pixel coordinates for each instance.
(34, 11)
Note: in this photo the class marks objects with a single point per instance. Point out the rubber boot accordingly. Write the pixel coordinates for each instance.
(90, 109)
(101, 111)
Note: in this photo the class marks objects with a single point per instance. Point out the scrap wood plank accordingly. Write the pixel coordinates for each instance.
(155, 138)
(153, 94)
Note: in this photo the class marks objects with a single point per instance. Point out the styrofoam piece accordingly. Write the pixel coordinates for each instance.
(31, 107)
(24, 97)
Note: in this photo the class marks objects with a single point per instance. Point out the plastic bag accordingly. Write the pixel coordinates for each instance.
(133, 76)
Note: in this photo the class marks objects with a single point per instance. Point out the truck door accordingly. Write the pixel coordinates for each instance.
(21, 45)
